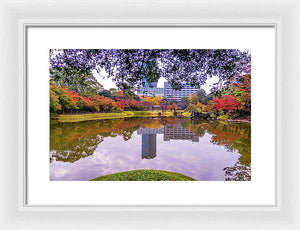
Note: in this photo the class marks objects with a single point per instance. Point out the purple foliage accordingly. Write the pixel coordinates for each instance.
(178, 66)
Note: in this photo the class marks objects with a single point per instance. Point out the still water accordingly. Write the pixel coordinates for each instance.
(205, 151)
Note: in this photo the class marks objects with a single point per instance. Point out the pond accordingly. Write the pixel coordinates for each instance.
(205, 151)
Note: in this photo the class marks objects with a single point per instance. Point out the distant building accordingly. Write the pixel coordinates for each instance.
(219, 85)
(147, 84)
(186, 91)
(148, 91)
(149, 88)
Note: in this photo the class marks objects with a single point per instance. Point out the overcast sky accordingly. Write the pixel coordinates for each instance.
(108, 83)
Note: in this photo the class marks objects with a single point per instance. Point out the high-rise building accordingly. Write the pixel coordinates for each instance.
(177, 132)
(150, 88)
(151, 91)
(147, 84)
(148, 146)
(142, 130)
(186, 91)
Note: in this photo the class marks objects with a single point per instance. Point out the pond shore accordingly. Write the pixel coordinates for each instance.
(125, 114)
(239, 120)
(101, 116)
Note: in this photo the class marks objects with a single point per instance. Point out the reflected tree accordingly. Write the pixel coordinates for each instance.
(194, 126)
(234, 137)
(70, 142)
(238, 172)
(84, 147)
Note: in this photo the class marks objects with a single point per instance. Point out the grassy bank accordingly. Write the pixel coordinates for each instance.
(99, 116)
(144, 175)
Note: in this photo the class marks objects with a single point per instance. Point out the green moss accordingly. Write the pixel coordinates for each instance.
(144, 175)
(91, 116)
(100, 116)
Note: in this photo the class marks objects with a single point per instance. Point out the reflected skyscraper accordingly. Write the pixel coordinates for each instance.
(177, 132)
(141, 131)
(148, 146)
(173, 132)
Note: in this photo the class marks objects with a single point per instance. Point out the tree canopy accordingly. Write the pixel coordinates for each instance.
(178, 66)
(82, 82)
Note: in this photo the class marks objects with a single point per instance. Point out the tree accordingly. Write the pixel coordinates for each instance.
(120, 95)
(113, 91)
(106, 93)
(183, 103)
(150, 74)
(153, 100)
(164, 104)
(200, 107)
(105, 104)
(173, 107)
(64, 99)
(194, 99)
(207, 98)
(185, 100)
(54, 101)
(136, 97)
(228, 103)
(242, 90)
(177, 66)
(201, 95)
(82, 82)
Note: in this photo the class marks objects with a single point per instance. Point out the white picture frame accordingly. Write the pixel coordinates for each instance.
(14, 19)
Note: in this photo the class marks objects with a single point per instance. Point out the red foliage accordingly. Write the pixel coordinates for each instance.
(73, 102)
(228, 102)
(243, 87)
(119, 95)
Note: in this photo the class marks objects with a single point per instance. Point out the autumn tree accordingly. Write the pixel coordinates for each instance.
(227, 103)
(106, 93)
(54, 101)
(153, 100)
(173, 107)
(82, 82)
(242, 91)
(201, 95)
(194, 99)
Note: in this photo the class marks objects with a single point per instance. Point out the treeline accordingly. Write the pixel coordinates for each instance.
(63, 100)
(232, 100)
(235, 98)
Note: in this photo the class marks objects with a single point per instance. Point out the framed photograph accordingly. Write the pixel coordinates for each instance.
(179, 120)
(160, 108)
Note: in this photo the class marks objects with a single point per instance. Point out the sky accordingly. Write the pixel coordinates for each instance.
(108, 83)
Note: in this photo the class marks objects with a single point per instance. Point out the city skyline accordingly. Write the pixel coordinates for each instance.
(176, 132)
(108, 83)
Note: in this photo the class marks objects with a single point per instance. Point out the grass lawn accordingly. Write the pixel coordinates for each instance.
(99, 116)
(144, 175)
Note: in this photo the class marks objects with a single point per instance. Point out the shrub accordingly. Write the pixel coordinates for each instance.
(223, 117)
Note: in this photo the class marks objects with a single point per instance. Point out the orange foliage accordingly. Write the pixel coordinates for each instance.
(69, 101)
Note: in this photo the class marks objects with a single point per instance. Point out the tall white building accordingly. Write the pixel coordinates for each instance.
(186, 91)
(148, 91)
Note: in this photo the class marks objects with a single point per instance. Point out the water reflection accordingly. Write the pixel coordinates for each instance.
(148, 146)
(204, 151)
(177, 132)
